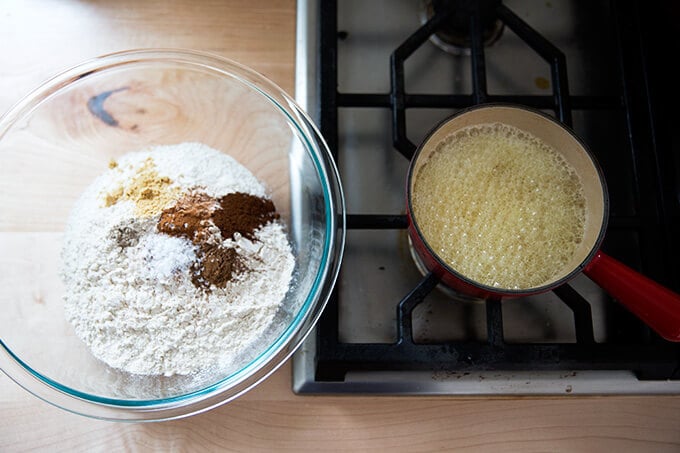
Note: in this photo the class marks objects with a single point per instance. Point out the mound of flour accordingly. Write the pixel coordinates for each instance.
(129, 292)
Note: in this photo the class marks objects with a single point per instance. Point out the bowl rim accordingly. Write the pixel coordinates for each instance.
(272, 357)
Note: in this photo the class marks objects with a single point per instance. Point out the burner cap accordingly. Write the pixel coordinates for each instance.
(454, 35)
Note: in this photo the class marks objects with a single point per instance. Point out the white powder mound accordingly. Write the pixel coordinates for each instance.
(195, 164)
(133, 301)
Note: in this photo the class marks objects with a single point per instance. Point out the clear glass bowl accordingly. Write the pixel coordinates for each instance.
(64, 134)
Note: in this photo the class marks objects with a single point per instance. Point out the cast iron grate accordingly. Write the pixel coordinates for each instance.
(632, 346)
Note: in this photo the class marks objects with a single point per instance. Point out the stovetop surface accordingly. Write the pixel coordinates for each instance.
(544, 344)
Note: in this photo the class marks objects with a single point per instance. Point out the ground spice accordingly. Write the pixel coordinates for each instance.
(193, 216)
(150, 192)
(243, 213)
(130, 304)
(189, 217)
(112, 197)
(217, 265)
(126, 234)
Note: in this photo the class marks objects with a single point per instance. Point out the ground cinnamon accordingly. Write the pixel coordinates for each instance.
(189, 217)
(243, 213)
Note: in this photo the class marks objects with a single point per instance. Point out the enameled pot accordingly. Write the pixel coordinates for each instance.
(654, 304)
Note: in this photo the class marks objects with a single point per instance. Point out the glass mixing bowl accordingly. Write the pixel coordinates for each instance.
(64, 134)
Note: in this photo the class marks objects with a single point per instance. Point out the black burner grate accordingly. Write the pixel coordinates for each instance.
(631, 345)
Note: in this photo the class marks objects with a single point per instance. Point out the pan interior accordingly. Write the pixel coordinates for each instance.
(554, 135)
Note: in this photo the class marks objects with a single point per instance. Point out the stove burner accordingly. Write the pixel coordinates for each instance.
(454, 35)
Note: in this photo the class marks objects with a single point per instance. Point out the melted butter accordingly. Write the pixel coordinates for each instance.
(500, 206)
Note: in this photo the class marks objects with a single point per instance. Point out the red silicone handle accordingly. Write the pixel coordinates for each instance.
(654, 304)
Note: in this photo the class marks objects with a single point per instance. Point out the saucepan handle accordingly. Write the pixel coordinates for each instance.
(657, 306)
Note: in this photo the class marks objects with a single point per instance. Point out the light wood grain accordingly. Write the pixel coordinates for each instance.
(271, 417)
(41, 37)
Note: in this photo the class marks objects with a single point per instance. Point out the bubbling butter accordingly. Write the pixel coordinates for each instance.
(500, 206)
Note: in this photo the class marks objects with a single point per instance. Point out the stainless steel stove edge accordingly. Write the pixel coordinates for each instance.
(474, 383)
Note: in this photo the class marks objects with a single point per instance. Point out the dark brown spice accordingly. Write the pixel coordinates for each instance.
(243, 213)
(217, 266)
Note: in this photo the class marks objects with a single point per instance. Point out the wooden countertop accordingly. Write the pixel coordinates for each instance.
(41, 37)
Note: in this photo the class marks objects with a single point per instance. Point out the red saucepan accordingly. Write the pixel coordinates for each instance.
(657, 306)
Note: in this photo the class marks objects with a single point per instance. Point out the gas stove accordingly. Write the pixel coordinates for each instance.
(376, 77)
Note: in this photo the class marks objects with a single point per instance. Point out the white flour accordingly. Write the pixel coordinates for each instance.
(132, 300)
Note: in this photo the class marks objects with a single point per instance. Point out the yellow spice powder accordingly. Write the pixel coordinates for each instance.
(150, 192)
